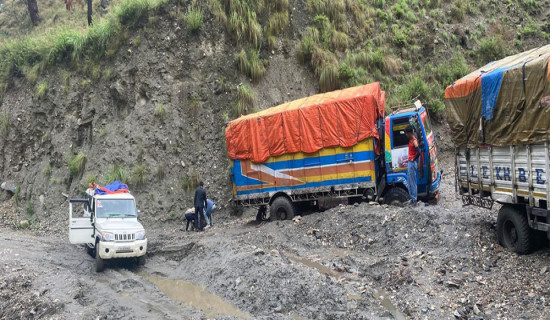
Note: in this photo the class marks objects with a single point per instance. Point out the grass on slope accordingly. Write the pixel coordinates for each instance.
(29, 54)
(415, 48)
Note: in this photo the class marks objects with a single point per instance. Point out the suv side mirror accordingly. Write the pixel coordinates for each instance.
(139, 213)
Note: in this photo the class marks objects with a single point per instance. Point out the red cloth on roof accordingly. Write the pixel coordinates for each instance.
(339, 118)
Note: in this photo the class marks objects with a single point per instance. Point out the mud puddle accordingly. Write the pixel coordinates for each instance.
(312, 264)
(385, 301)
(195, 296)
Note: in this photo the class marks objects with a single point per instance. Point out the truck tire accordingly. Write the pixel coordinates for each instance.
(99, 263)
(281, 209)
(513, 230)
(396, 196)
(262, 214)
(90, 250)
(141, 260)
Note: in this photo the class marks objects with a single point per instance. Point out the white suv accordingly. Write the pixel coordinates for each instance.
(108, 226)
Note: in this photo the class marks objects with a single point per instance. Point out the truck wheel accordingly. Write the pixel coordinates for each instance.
(262, 214)
(281, 209)
(396, 196)
(513, 230)
(99, 263)
(90, 250)
(141, 260)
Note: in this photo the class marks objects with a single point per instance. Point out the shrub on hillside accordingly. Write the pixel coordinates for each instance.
(194, 18)
(491, 49)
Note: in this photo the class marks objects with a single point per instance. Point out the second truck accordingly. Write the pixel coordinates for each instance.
(328, 146)
(500, 121)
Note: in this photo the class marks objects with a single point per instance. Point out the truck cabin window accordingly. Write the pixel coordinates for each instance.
(399, 137)
(110, 208)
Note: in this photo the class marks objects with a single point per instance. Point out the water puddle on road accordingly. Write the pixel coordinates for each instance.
(312, 264)
(195, 296)
(386, 303)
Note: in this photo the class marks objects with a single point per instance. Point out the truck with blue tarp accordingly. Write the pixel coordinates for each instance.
(500, 121)
(328, 146)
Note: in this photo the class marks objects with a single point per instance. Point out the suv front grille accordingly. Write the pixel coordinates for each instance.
(125, 236)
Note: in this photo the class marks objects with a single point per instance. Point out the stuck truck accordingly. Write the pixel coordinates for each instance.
(500, 121)
(327, 146)
(105, 222)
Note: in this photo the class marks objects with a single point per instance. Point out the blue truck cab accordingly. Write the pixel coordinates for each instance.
(392, 177)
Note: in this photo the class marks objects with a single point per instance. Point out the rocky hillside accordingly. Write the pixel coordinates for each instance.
(143, 95)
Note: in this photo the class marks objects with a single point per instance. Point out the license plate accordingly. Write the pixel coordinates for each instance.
(124, 249)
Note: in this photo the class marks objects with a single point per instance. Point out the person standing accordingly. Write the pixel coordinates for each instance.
(210, 206)
(412, 164)
(200, 205)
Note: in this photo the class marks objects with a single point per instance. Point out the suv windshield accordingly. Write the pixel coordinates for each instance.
(106, 208)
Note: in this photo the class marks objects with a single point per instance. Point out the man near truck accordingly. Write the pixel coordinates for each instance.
(412, 165)
(200, 204)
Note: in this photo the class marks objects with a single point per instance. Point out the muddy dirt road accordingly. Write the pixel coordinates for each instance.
(351, 262)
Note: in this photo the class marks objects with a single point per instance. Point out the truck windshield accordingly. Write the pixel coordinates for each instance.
(426, 123)
(106, 208)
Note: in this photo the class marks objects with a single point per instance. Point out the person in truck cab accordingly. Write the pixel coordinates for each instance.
(200, 205)
(412, 165)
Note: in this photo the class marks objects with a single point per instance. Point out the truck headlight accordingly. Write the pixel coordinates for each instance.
(140, 235)
(107, 236)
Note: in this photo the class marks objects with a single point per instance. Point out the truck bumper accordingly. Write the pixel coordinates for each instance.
(113, 250)
(434, 188)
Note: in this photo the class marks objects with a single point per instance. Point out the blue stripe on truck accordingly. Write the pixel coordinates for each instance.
(309, 185)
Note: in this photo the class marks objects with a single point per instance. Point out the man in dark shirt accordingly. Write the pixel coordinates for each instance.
(200, 204)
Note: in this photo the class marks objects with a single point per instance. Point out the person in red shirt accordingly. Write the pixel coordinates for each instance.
(412, 164)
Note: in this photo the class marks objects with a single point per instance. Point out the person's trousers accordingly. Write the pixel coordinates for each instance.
(208, 217)
(190, 218)
(412, 172)
(199, 216)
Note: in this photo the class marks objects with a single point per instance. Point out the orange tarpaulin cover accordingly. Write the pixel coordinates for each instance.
(338, 118)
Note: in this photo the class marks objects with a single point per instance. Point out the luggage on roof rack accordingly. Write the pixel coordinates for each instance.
(115, 187)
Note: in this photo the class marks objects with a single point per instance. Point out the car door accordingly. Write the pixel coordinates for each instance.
(81, 230)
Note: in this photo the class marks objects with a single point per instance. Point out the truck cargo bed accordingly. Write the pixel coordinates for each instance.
(334, 169)
(512, 174)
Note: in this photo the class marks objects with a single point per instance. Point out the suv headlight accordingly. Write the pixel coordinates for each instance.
(140, 235)
(107, 236)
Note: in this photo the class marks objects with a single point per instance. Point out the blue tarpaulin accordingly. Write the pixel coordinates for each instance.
(111, 188)
(490, 87)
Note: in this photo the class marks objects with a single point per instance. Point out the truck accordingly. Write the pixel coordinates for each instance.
(106, 222)
(327, 147)
(500, 121)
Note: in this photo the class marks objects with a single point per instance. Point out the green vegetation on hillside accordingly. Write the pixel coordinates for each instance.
(414, 48)
(28, 54)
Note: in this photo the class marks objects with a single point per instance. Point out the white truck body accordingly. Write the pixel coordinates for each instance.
(516, 177)
(108, 225)
(513, 175)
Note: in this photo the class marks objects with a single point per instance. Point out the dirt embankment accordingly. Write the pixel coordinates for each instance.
(351, 262)
(156, 109)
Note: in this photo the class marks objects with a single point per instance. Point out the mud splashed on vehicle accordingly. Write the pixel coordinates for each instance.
(382, 295)
(195, 296)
